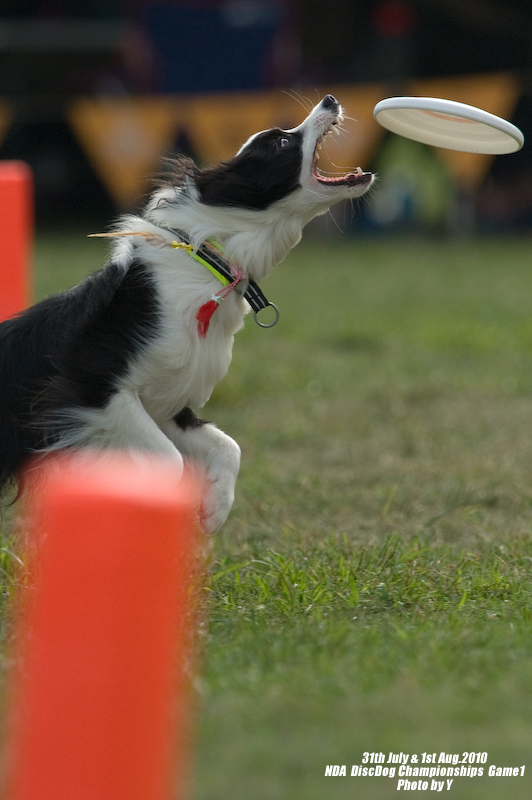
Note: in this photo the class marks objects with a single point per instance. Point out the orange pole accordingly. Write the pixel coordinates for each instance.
(99, 698)
(16, 231)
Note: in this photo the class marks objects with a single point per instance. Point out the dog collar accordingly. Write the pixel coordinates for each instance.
(210, 255)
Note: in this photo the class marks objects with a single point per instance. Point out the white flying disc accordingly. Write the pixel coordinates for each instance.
(449, 124)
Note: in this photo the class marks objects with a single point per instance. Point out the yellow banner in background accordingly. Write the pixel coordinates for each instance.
(125, 140)
(220, 124)
(497, 93)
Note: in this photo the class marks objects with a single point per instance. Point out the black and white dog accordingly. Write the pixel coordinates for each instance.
(120, 360)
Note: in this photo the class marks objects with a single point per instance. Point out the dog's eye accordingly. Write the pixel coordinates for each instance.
(284, 142)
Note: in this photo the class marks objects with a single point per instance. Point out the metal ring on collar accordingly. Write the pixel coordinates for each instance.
(271, 324)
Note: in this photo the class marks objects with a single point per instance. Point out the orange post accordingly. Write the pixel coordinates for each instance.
(101, 690)
(16, 233)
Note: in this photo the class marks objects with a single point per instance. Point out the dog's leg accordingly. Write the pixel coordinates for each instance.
(124, 424)
(220, 457)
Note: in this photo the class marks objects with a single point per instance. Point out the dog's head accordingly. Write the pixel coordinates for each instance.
(277, 164)
(257, 203)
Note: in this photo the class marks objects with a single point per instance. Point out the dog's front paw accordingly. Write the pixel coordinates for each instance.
(214, 513)
(218, 499)
(222, 472)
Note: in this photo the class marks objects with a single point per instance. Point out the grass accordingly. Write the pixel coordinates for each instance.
(371, 590)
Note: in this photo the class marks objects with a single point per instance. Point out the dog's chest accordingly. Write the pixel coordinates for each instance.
(180, 367)
(181, 363)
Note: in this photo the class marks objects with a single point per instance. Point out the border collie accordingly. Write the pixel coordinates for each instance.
(120, 360)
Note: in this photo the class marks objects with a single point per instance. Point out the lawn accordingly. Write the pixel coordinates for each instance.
(371, 590)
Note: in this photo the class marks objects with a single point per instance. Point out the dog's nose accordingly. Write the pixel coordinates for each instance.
(329, 101)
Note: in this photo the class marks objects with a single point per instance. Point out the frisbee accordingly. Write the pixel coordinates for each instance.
(448, 124)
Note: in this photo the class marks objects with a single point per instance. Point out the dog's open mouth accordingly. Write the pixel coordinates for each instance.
(356, 178)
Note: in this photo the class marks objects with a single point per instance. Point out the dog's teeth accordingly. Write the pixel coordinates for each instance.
(359, 171)
(317, 156)
(337, 131)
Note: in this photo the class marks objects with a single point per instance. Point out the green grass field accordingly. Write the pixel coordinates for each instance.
(371, 590)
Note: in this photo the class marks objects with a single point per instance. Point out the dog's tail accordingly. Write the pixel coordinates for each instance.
(26, 364)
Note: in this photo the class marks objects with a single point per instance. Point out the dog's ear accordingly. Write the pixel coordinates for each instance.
(249, 181)
(176, 172)
(266, 169)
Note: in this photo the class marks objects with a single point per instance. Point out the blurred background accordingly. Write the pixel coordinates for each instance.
(371, 590)
(93, 94)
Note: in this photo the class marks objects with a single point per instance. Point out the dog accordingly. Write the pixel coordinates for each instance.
(120, 360)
